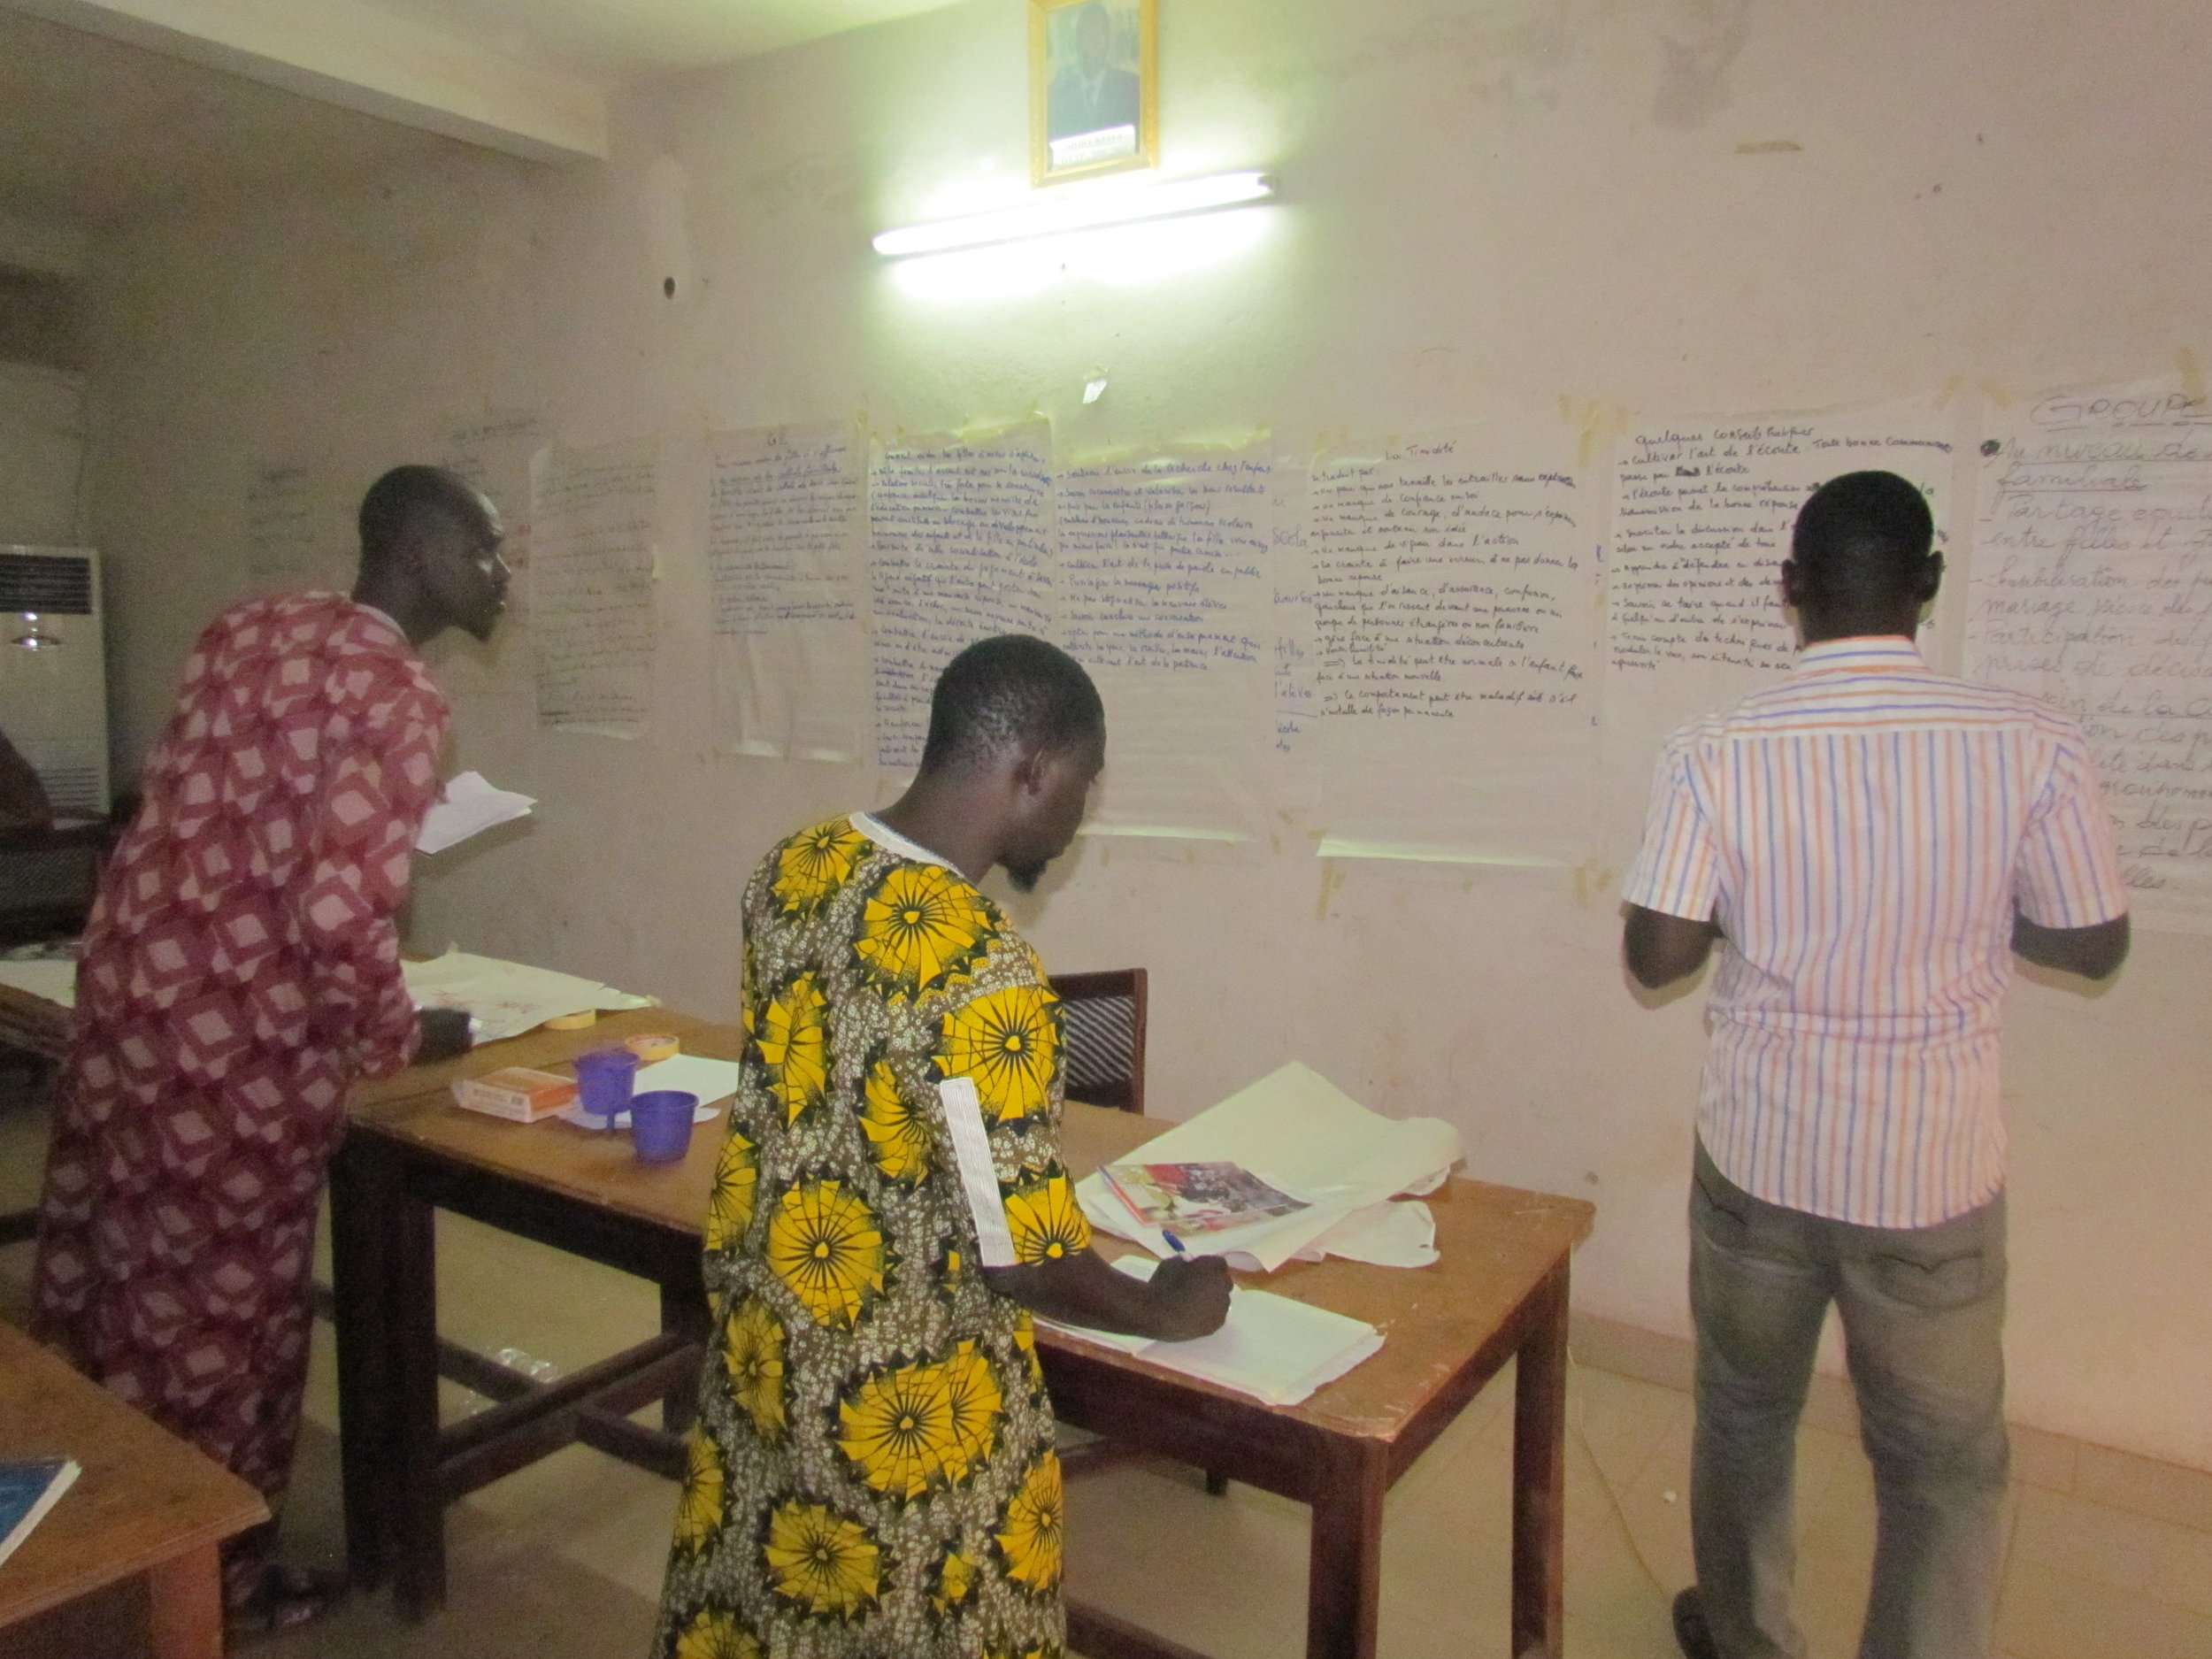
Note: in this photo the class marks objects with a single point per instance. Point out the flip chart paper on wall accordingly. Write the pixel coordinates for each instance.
(1454, 641)
(1703, 507)
(960, 549)
(786, 563)
(595, 626)
(287, 543)
(494, 452)
(1297, 699)
(1165, 594)
(1302, 1135)
(2092, 589)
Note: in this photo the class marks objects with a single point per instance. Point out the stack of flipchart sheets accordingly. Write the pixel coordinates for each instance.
(1302, 1134)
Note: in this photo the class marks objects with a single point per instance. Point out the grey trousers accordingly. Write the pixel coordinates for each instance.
(1923, 1313)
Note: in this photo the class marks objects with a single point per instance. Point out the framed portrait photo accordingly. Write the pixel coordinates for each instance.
(1093, 87)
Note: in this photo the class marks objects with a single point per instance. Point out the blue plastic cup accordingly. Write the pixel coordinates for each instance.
(660, 1124)
(604, 1078)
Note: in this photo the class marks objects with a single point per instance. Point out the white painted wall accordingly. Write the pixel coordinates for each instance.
(1486, 209)
(41, 453)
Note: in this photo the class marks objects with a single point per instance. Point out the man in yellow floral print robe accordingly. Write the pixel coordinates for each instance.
(873, 1473)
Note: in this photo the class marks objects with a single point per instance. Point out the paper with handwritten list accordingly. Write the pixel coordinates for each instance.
(1703, 510)
(1455, 640)
(596, 626)
(494, 451)
(1166, 595)
(787, 524)
(960, 536)
(285, 543)
(2092, 589)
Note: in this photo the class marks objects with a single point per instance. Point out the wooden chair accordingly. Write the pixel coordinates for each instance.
(48, 877)
(1102, 1036)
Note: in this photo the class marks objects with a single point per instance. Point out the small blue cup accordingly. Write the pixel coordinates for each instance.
(660, 1124)
(604, 1078)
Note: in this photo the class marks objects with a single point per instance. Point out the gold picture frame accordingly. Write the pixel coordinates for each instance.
(1093, 87)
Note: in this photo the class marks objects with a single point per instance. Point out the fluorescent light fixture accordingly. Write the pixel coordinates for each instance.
(1078, 209)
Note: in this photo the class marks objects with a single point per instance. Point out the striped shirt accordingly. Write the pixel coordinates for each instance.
(1862, 834)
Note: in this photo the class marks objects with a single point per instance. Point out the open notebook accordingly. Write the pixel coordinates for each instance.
(1271, 1348)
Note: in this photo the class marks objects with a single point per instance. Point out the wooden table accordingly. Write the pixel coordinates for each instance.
(146, 1503)
(1499, 1292)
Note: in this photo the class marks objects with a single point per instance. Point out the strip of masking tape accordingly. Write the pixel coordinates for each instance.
(972, 1151)
(1415, 852)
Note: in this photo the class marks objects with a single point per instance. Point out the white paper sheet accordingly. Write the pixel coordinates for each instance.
(1703, 507)
(787, 561)
(2093, 588)
(467, 806)
(507, 998)
(594, 624)
(1275, 1348)
(960, 549)
(1302, 1134)
(978, 1175)
(56, 981)
(1456, 640)
(1400, 1234)
(1165, 592)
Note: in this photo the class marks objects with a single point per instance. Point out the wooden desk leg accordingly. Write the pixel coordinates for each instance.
(684, 1313)
(1539, 1474)
(362, 1193)
(1344, 1569)
(418, 1496)
(184, 1605)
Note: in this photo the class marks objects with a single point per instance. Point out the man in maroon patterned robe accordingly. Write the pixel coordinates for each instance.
(241, 968)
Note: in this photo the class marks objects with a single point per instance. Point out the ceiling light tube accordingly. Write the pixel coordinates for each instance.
(1081, 209)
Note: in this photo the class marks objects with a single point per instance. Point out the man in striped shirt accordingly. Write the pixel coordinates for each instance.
(1872, 842)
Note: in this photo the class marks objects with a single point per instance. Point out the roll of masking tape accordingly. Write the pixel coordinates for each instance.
(572, 1022)
(653, 1047)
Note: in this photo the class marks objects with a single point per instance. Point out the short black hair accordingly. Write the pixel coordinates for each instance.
(1008, 692)
(1863, 540)
(399, 501)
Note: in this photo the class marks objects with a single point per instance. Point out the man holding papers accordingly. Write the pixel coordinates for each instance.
(241, 968)
(874, 1470)
(1871, 841)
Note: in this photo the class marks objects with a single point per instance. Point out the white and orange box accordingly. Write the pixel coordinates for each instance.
(516, 1093)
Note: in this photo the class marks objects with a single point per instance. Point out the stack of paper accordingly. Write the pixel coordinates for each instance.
(468, 806)
(56, 981)
(1299, 1133)
(1271, 1348)
(506, 998)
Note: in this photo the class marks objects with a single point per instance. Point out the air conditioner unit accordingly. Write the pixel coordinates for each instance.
(53, 672)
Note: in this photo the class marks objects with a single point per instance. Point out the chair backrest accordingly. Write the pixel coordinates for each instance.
(1102, 1036)
(48, 877)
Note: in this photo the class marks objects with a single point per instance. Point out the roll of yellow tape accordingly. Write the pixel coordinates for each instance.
(652, 1047)
(572, 1022)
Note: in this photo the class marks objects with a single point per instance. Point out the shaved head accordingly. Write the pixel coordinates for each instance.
(405, 502)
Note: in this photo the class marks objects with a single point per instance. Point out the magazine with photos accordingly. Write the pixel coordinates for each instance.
(1198, 1197)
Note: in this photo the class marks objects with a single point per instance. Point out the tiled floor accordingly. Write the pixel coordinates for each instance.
(566, 1558)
